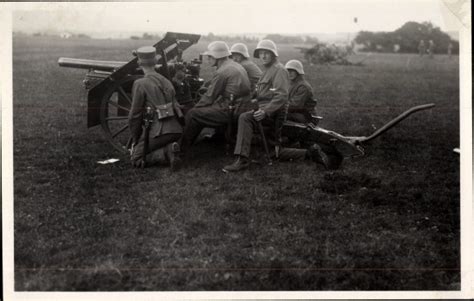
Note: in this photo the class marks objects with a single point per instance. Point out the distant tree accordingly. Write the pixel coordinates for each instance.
(82, 36)
(135, 37)
(284, 39)
(407, 37)
(147, 36)
(311, 40)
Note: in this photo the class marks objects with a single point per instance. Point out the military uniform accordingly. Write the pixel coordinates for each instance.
(151, 91)
(253, 72)
(302, 102)
(272, 97)
(212, 110)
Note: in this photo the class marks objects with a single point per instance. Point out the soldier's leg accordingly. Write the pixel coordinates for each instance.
(245, 129)
(153, 145)
(321, 154)
(199, 118)
(292, 154)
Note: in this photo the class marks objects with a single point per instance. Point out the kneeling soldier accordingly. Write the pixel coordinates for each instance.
(153, 104)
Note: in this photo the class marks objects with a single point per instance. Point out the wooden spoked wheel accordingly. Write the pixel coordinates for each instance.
(114, 110)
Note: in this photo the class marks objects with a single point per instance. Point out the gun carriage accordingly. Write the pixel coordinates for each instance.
(109, 84)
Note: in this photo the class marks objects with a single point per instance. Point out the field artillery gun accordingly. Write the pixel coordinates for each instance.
(109, 84)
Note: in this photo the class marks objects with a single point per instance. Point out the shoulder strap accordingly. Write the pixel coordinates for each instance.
(161, 89)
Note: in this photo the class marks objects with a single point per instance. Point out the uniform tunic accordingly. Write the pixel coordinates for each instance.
(302, 102)
(229, 78)
(212, 110)
(253, 72)
(272, 97)
(152, 90)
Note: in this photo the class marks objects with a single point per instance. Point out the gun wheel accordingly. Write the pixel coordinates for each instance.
(114, 109)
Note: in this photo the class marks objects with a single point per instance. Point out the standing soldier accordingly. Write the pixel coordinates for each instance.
(240, 54)
(421, 48)
(431, 47)
(302, 103)
(450, 49)
(153, 103)
(229, 81)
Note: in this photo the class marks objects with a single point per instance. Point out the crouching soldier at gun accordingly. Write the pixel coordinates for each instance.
(229, 84)
(154, 115)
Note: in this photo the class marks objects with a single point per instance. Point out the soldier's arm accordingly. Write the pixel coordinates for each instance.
(298, 100)
(216, 88)
(135, 116)
(254, 73)
(280, 93)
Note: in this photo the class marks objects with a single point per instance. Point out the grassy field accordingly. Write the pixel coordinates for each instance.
(386, 221)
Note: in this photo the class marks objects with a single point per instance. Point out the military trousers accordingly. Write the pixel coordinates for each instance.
(246, 127)
(196, 119)
(154, 144)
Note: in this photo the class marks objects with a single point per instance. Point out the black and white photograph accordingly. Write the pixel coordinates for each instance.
(237, 148)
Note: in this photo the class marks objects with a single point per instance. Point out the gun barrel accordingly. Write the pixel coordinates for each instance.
(90, 64)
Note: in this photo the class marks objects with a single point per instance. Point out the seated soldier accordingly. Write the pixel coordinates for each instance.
(302, 103)
(229, 83)
(153, 101)
(240, 54)
(271, 103)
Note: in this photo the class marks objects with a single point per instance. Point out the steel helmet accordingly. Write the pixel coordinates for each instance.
(295, 65)
(240, 48)
(218, 50)
(266, 45)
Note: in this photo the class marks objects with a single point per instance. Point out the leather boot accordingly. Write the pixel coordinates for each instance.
(239, 164)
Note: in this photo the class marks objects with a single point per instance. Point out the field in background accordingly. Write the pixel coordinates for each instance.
(386, 221)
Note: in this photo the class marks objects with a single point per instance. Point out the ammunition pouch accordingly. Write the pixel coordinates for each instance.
(165, 111)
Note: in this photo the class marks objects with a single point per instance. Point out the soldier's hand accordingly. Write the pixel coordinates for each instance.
(259, 115)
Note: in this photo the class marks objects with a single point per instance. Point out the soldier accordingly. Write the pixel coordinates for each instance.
(272, 100)
(302, 103)
(229, 81)
(240, 54)
(153, 100)
(431, 47)
(421, 48)
(183, 89)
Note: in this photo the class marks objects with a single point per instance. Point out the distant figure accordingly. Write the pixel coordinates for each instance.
(450, 49)
(431, 48)
(396, 48)
(422, 48)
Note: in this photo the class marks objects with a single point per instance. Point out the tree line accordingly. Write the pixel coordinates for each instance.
(406, 39)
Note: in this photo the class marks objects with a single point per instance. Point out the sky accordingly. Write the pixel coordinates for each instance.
(231, 17)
